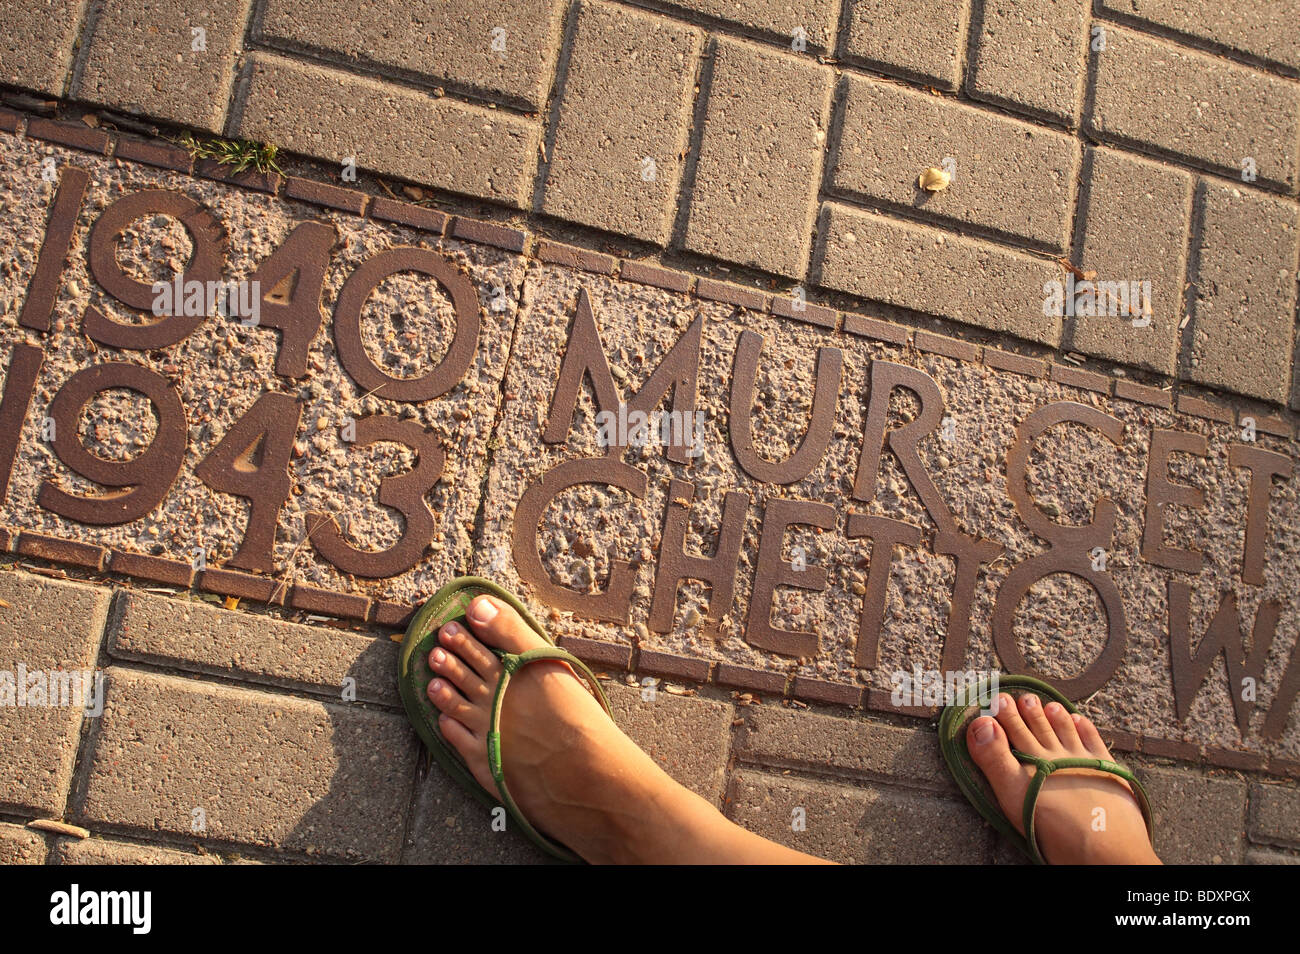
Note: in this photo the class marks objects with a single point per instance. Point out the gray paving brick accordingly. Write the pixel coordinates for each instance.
(1198, 819)
(1270, 31)
(869, 824)
(450, 42)
(789, 738)
(21, 846)
(1029, 55)
(1198, 107)
(756, 179)
(203, 638)
(1243, 308)
(103, 851)
(1133, 220)
(37, 43)
(142, 59)
(47, 625)
(393, 130)
(922, 268)
(265, 769)
(815, 17)
(688, 736)
(1275, 814)
(627, 98)
(449, 826)
(919, 41)
(1012, 178)
(1260, 856)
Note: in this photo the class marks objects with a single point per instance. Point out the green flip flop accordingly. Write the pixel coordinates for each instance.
(451, 603)
(952, 741)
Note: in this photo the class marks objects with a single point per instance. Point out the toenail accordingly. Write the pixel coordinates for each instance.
(1031, 701)
(1076, 717)
(483, 610)
(436, 685)
(451, 629)
(439, 656)
(1052, 707)
(984, 733)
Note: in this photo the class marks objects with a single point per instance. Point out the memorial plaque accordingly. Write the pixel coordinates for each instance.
(277, 394)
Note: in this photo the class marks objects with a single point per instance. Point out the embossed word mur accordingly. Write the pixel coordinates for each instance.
(699, 472)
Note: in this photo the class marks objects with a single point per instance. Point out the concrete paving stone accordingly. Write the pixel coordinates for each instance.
(38, 42)
(1202, 108)
(1275, 814)
(788, 738)
(918, 267)
(103, 851)
(203, 638)
(1012, 178)
(1243, 308)
(869, 824)
(334, 115)
(449, 826)
(759, 166)
(816, 18)
(1030, 55)
(623, 122)
(1198, 819)
(1258, 856)
(436, 40)
(920, 42)
(47, 625)
(1132, 227)
(1270, 31)
(688, 736)
(21, 846)
(166, 59)
(251, 767)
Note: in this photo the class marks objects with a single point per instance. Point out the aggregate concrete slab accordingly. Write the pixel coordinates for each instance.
(597, 541)
(223, 368)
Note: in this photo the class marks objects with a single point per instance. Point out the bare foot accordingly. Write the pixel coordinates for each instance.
(1082, 816)
(573, 773)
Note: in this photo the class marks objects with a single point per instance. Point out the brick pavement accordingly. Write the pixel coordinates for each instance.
(712, 131)
(203, 766)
